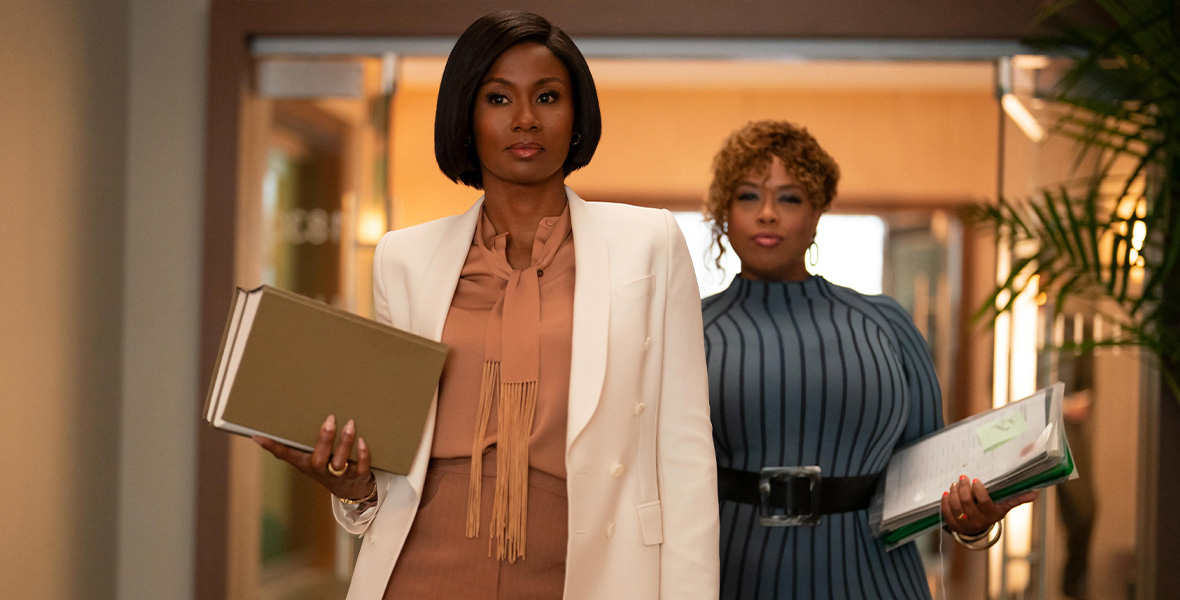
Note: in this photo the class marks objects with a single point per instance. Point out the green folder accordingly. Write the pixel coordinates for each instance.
(1063, 471)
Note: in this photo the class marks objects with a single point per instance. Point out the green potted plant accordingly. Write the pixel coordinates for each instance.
(1113, 236)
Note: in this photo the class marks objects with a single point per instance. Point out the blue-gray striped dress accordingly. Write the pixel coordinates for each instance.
(811, 373)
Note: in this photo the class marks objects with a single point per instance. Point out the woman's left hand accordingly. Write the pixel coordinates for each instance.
(968, 509)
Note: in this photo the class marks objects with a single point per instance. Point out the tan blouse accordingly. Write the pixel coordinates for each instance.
(491, 353)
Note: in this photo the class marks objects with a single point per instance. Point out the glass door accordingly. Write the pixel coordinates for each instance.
(1050, 549)
(316, 199)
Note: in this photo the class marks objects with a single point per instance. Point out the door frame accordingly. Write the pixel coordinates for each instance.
(234, 24)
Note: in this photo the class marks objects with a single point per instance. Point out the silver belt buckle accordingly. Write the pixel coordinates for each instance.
(766, 513)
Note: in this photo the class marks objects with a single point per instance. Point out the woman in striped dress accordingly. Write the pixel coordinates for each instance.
(805, 373)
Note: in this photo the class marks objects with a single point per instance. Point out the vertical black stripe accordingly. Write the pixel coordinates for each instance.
(761, 359)
(823, 382)
(819, 430)
(741, 404)
(782, 381)
(844, 548)
(867, 559)
(863, 408)
(902, 566)
(802, 381)
(887, 435)
(802, 424)
(844, 378)
(880, 364)
(917, 574)
(724, 406)
(723, 401)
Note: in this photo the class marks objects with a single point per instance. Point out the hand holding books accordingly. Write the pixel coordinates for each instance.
(330, 468)
(286, 361)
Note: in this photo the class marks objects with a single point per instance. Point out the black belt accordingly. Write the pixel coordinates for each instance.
(798, 492)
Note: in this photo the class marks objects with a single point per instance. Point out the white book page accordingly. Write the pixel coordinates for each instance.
(231, 339)
(248, 432)
(242, 329)
(919, 474)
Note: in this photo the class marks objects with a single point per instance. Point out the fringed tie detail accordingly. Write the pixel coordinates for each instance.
(487, 395)
(518, 406)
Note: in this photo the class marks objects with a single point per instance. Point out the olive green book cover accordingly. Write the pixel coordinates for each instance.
(287, 362)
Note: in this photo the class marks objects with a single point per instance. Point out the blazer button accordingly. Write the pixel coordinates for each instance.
(610, 530)
(616, 470)
(639, 408)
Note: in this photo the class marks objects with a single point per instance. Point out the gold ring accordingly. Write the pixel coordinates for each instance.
(962, 517)
(335, 472)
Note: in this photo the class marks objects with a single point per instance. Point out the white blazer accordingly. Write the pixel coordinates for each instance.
(642, 479)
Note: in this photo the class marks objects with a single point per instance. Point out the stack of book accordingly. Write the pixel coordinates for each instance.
(287, 362)
(1013, 449)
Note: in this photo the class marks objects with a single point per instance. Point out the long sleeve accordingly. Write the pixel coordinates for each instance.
(353, 518)
(921, 380)
(689, 563)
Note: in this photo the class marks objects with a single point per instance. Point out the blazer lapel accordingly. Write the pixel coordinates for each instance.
(442, 273)
(591, 315)
(432, 305)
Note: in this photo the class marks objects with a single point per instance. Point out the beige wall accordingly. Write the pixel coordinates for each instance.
(910, 145)
(102, 109)
(63, 68)
(161, 386)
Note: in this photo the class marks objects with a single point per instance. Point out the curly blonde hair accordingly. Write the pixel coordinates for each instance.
(751, 148)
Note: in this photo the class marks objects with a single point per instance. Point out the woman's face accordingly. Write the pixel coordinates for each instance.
(523, 117)
(771, 223)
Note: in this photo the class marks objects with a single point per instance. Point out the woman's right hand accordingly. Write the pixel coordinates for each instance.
(355, 481)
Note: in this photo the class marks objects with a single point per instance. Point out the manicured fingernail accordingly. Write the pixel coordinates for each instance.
(349, 426)
(974, 481)
(330, 422)
(360, 442)
(962, 478)
(945, 494)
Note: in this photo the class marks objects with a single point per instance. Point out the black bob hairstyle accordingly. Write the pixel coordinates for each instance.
(471, 58)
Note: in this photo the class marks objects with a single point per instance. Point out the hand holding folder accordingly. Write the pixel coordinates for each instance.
(967, 508)
(1017, 448)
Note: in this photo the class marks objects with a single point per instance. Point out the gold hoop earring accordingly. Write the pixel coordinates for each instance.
(813, 254)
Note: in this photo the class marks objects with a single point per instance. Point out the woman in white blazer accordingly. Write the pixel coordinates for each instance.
(635, 516)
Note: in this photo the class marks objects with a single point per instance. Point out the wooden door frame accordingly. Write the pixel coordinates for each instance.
(235, 23)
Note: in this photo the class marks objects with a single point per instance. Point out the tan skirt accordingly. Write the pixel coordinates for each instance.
(440, 561)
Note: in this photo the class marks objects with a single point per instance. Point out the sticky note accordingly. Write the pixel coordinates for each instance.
(996, 433)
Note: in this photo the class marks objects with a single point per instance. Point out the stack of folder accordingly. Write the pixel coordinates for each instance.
(1013, 449)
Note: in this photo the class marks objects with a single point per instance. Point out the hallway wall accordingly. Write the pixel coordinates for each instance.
(165, 197)
(63, 68)
(102, 113)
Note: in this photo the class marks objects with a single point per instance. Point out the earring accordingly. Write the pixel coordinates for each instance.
(468, 142)
(576, 140)
(813, 254)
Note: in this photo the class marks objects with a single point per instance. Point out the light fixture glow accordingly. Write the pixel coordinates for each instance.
(370, 228)
(1022, 117)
